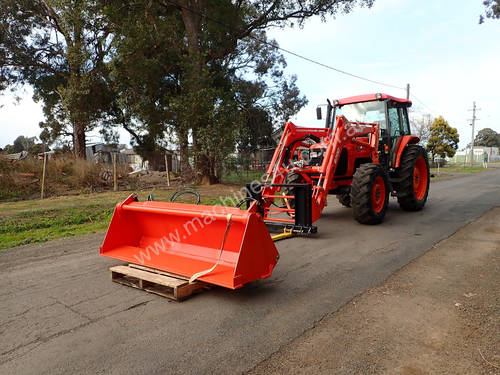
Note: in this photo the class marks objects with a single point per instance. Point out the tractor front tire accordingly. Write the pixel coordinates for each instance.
(414, 176)
(292, 178)
(345, 199)
(370, 194)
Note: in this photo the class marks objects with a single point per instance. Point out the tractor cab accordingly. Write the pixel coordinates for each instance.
(390, 113)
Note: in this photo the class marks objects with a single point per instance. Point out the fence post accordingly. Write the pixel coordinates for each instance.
(42, 193)
(115, 177)
(167, 170)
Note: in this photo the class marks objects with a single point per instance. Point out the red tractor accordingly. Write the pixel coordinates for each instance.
(365, 153)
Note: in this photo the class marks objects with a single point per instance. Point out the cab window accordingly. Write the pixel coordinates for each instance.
(403, 114)
(394, 122)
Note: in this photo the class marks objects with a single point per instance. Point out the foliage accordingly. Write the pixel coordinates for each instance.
(144, 72)
(59, 47)
(492, 10)
(23, 143)
(222, 85)
(487, 137)
(197, 73)
(443, 139)
(8, 149)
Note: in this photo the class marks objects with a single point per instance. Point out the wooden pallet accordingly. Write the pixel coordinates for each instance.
(155, 281)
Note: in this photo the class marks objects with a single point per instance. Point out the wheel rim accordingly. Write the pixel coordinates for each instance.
(420, 178)
(378, 194)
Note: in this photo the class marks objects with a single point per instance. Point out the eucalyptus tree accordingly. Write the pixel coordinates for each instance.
(228, 39)
(60, 48)
(206, 71)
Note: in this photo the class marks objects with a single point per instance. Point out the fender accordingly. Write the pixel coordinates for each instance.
(401, 144)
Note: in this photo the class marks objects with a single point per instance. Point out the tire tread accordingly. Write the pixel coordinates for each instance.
(406, 195)
(361, 190)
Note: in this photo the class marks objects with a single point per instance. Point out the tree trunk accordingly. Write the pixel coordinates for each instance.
(79, 140)
(74, 89)
(182, 139)
(206, 175)
(192, 25)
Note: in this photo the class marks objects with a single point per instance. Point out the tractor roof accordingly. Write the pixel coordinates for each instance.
(370, 98)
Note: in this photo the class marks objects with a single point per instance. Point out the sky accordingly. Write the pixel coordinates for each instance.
(436, 46)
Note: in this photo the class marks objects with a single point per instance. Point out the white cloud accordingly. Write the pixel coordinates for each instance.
(19, 118)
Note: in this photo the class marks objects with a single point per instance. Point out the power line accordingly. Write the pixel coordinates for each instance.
(421, 102)
(286, 50)
(328, 66)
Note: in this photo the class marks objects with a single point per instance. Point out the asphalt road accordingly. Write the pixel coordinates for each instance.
(60, 313)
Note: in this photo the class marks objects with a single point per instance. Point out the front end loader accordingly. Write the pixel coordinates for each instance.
(364, 154)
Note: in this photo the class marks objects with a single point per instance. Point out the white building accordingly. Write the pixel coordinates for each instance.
(481, 153)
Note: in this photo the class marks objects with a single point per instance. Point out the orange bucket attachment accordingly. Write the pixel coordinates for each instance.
(219, 245)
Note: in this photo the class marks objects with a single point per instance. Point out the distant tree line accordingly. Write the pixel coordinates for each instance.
(487, 137)
(202, 75)
(28, 144)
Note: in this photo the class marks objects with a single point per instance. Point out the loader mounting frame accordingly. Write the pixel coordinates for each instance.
(302, 214)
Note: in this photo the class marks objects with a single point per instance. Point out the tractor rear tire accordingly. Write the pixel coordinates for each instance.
(370, 193)
(345, 199)
(414, 176)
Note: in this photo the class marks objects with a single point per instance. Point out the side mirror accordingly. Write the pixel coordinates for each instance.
(318, 113)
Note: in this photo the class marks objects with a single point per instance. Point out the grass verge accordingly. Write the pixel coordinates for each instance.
(243, 177)
(35, 221)
(43, 225)
(459, 169)
(453, 171)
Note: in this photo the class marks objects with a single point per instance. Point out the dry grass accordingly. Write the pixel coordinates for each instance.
(22, 180)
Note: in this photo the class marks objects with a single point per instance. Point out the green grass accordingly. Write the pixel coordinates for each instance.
(10, 194)
(458, 169)
(43, 225)
(243, 177)
(34, 221)
(455, 170)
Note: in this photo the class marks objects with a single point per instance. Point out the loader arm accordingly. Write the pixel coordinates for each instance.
(320, 177)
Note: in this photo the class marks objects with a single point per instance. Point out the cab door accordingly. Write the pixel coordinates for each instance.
(398, 127)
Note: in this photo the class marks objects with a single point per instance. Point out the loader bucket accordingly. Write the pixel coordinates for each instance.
(219, 245)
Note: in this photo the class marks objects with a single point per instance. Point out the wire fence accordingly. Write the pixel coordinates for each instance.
(248, 166)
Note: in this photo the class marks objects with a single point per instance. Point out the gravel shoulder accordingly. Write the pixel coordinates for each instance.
(439, 314)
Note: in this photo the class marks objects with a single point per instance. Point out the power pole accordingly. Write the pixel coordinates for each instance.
(473, 123)
(407, 91)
